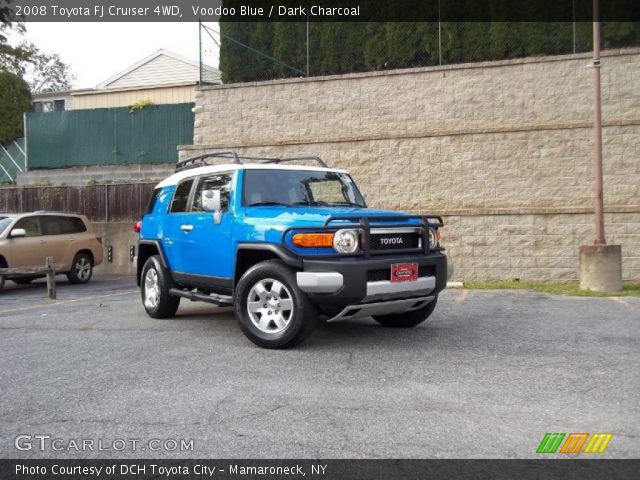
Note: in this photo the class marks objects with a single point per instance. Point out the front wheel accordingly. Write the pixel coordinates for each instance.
(154, 288)
(81, 269)
(407, 319)
(272, 311)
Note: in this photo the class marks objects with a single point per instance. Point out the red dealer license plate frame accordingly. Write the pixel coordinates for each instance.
(404, 272)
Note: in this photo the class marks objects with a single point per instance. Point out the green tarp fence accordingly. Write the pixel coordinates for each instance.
(12, 160)
(108, 136)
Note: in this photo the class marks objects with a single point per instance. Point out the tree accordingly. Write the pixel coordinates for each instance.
(44, 72)
(15, 99)
(343, 47)
(8, 20)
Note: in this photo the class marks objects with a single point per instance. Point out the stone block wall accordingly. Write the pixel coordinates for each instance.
(503, 150)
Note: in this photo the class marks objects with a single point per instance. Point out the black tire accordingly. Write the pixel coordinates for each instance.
(165, 305)
(1, 282)
(408, 319)
(24, 280)
(282, 328)
(81, 269)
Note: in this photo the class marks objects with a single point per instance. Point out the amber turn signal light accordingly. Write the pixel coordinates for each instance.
(313, 240)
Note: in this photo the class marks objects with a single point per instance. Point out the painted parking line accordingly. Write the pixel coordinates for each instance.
(66, 302)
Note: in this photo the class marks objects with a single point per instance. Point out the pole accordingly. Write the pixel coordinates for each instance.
(439, 35)
(51, 278)
(200, 48)
(573, 9)
(597, 127)
(307, 44)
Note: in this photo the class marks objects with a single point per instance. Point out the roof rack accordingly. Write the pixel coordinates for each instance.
(201, 160)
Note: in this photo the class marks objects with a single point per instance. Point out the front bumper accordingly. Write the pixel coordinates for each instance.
(348, 281)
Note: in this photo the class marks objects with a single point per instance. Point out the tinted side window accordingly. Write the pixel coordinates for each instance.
(31, 225)
(61, 225)
(152, 201)
(218, 181)
(181, 196)
(77, 225)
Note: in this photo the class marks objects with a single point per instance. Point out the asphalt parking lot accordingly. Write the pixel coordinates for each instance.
(487, 376)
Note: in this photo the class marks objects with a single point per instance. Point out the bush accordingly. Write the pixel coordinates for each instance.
(15, 99)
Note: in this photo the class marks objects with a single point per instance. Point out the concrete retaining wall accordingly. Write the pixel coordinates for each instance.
(503, 150)
(121, 237)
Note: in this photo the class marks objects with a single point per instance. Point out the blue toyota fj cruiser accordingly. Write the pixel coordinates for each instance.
(284, 244)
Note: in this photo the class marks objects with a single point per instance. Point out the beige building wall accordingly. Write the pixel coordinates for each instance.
(503, 150)
(126, 98)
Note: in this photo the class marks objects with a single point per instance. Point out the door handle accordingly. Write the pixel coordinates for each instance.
(186, 228)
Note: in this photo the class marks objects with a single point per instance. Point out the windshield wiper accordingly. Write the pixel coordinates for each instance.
(264, 204)
(351, 204)
(309, 202)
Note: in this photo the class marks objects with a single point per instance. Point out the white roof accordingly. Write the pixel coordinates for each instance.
(226, 167)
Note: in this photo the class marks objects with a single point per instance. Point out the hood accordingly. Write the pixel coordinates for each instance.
(311, 216)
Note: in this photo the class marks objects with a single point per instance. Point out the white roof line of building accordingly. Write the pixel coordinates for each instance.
(104, 85)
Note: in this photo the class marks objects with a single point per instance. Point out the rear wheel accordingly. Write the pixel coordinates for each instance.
(81, 269)
(272, 311)
(155, 286)
(407, 319)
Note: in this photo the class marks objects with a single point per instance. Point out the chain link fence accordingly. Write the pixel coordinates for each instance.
(247, 52)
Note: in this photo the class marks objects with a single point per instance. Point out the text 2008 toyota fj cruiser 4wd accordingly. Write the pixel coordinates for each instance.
(284, 244)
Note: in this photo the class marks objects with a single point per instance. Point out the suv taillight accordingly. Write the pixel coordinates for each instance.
(137, 227)
(99, 240)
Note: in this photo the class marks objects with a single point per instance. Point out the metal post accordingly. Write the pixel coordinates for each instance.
(26, 143)
(439, 35)
(200, 48)
(307, 44)
(597, 127)
(573, 5)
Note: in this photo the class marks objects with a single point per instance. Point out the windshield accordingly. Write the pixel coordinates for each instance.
(299, 187)
(4, 223)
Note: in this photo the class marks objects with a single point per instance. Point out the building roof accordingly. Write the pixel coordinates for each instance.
(160, 68)
(59, 94)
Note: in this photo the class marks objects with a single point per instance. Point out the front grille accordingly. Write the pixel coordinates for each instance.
(383, 274)
(379, 275)
(394, 241)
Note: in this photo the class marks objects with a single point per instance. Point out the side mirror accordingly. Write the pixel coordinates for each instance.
(18, 232)
(211, 203)
(211, 200)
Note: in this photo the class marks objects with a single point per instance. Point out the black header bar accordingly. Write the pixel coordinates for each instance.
(123, 469)
(321, 10)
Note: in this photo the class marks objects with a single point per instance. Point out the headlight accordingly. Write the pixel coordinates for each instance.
(434, 238)
(345, 241)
